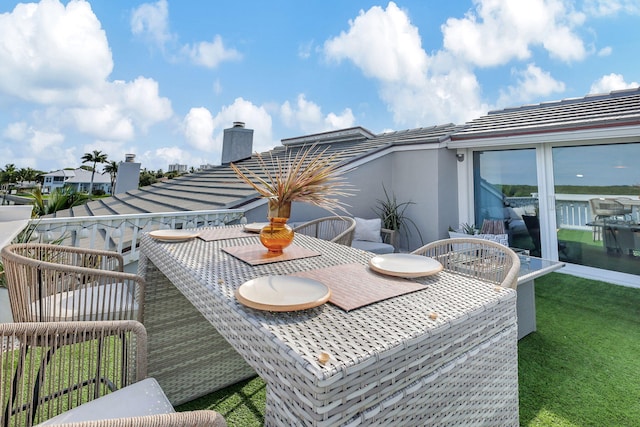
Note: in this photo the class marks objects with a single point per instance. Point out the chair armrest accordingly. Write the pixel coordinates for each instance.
(198, 418)
(389, 236)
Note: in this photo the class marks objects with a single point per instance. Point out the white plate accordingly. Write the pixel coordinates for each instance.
(173, 235)
(405, 265)
(282, 293)
(255, 227)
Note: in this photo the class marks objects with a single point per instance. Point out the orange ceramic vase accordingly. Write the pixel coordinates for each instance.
(277, 235)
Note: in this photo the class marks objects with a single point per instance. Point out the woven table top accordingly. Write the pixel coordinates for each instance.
(209, 277)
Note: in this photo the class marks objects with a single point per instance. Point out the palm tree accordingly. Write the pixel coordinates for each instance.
(96, 157)
(9, 173)
(112, 169)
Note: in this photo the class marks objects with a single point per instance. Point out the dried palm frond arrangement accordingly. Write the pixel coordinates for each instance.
(308, 176)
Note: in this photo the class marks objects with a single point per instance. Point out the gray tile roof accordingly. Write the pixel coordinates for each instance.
(619, 108)
(219, 187)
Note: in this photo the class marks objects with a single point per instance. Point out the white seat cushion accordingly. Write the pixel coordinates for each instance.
(142, 398)
(375, 247)
(70, 305)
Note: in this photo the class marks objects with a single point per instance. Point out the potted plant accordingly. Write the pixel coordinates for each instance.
(464, 230)
(309, 176)
(393, 215)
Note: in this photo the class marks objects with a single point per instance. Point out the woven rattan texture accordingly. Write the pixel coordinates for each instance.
(187, 355)
(376, 352)
(222, 233)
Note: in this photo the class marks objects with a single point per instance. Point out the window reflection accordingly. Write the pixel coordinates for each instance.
(597, 192)
(506, 191)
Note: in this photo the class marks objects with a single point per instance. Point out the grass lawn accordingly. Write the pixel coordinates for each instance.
(581, 368)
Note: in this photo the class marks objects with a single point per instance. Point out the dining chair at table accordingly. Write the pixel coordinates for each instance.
(83, 373)
(480, 258)
(49, 282)
(337, 229)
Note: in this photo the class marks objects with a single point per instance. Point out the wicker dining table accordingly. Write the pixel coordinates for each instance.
(445, 354)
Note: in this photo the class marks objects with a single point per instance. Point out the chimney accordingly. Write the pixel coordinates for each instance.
(128, 176)
(237, 143)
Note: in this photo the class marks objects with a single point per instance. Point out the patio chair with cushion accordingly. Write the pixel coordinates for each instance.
(60, 283)
(479, 258)
(83, 374)
(337, 229)
(370, 236)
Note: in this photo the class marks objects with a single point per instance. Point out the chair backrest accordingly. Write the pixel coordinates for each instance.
(200, 418)
(602, 207)
(49, 367)
(337, 229)
(474, 257)
(60, 283)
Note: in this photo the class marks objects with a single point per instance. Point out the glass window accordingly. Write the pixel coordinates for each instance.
(597, 190)
(506, 192)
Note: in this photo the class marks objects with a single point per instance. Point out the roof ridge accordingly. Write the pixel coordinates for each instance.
(565, 101)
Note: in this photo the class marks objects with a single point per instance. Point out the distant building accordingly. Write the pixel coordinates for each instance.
(78, 179)
(178, 168)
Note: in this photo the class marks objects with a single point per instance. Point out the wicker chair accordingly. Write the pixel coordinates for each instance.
(85, 374)
(337, 229)
(201, 418)
(50, 283)
(480, 258)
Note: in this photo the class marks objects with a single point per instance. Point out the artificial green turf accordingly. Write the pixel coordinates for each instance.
(581, 367)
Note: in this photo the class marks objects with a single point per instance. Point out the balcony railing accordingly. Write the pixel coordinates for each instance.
(121, 233)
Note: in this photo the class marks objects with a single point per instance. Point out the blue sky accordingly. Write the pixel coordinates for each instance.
(163, 79)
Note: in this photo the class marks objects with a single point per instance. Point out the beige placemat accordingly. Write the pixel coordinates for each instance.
(223, 233)
(355, 285)
(258, 254)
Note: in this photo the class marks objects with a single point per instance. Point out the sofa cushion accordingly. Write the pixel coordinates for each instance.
(368, 230)
(375, 247)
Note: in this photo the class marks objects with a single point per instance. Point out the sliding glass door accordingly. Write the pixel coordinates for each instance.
(506, 190)
(597, 205)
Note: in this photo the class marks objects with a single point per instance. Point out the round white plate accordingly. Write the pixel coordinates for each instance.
(255, 227)
(282, 293)
(405, 265)
(173, 235)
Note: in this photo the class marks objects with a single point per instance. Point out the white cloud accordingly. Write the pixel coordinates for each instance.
(610, 83)
(141, 98)
(204, 132)
(304, 49)
(383, 43)
(211, 54)
(502, 30)
(151, 21)
(307, 116)
(611, 7)
(605, 51)
(198, 129)
(48, 52)
(532, 82)
(417, 88)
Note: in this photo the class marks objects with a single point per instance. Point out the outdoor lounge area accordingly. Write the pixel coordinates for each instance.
(547, 364)
(511, 326)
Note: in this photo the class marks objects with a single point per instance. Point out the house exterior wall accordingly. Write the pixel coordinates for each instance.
(424, 176)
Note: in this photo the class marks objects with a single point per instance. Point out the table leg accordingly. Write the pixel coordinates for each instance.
(526, 306)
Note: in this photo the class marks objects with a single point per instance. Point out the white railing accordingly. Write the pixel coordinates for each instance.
(121, 233)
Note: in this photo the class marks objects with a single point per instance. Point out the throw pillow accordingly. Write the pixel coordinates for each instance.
(368, 230)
